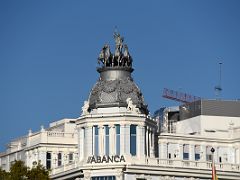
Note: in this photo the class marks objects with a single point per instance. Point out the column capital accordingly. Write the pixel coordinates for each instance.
(111, 125)
(88, 126)
(100, 126)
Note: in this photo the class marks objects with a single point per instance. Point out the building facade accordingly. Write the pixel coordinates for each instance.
(115, 138)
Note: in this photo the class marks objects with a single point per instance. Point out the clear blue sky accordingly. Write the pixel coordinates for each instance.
(48, 52)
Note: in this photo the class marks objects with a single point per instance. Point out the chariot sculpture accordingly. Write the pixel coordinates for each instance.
(121, 56)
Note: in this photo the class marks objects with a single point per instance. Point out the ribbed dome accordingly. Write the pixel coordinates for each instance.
(114, 87)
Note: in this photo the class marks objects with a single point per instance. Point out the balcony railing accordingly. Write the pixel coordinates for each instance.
(163, 163)
(192, 164)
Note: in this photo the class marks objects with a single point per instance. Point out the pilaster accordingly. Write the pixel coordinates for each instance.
(89, 141)
(81, 144)
(191, 152)
(112, 137)
(140, 141)
(122, 139)
(127, 139)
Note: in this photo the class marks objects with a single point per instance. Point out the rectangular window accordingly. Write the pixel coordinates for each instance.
(70, 157)
(133, 140)
(117, 127)
(186, 151)
(197, 152)
(48, 160)
(96, 141)
(106, 140)
(59, 159)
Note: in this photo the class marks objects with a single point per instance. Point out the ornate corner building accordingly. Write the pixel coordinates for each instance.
(115, 138)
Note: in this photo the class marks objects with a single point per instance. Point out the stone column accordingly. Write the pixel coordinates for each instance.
(152, 154)
(81, 143)
(54, 159)
(42, 156)
(127, 139)
(191, 152)
(140, 141)
(203, 153)
(101, 135)
(216, 155)
(180, 152)
(146, 136)
(150, 142)
(238, 155)
(112, 139)
(26, 159)
(88, 150)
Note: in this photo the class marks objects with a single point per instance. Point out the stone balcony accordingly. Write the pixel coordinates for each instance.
(155, 163)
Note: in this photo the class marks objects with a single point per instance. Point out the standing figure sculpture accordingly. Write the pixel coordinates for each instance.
(118, 40)
(118, 48)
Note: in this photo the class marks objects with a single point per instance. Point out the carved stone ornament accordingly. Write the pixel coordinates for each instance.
(85, 108)
(108, 93)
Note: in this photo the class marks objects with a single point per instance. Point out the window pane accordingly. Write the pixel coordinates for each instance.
(106, 130)
(117, 129)
(48, 160)
(197, 152)
(96, 141)
(186, 151)
(48, 155)
(197, 157)
(133, 129)
(185, 156)
(133, 140)
(96, 130)
(117, 139)
(106, 140)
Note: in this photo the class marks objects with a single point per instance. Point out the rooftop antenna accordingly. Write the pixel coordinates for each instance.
(218, 88)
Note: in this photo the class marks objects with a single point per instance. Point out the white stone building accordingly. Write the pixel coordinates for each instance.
(53, 147)
(116, 139)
